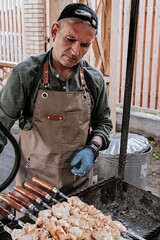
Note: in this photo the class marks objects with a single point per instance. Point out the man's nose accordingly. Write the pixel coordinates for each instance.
(76, 48)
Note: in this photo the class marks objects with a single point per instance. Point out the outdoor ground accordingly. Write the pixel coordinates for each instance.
(153, 176)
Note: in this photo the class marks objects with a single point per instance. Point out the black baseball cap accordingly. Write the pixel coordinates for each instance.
(81, 11)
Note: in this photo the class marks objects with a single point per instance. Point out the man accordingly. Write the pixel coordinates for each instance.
(61, 104)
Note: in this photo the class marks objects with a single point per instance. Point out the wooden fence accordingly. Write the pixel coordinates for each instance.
(146, 86)
(11, 30)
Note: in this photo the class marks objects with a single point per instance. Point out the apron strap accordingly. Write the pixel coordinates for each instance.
(82, 78)
(46, 80)
(25, 113)
(83, 83)
(45, 77)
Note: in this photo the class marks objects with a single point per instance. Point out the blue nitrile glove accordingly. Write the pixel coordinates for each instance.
(85, 158)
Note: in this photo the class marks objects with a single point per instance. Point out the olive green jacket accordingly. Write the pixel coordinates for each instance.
(18, 96)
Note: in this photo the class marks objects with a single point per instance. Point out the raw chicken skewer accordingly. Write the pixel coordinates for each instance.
(74, 203)
(31, 196)
(49, 186)
(17, 206)
(39, 191)
(8, 215)
(25, 202)
(73, 219)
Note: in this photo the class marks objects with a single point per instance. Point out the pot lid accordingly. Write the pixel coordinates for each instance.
(136, 144)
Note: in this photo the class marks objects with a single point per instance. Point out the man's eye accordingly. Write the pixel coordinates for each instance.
(70, 39)
(84, 45)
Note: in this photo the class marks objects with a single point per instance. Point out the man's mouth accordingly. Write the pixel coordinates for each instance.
(73, 58)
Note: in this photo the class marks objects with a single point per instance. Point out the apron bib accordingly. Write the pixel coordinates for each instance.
(60, 127)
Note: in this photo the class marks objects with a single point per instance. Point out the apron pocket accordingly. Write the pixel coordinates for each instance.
(42, 168)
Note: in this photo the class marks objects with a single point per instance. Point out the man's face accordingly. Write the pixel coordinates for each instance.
(71, 42)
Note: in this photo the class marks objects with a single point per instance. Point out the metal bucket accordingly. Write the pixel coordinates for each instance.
(138, 155)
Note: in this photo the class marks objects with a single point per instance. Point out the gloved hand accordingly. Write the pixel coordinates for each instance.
(85, 158)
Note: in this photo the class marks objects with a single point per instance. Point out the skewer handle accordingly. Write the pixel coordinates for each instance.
(26, 193)
(6, 214)
(49, 186)
(11, 202)
(31, 196)
(19, 199)
(44, 184)
(38, 190)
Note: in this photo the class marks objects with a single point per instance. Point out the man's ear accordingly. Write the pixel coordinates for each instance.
(54, 30)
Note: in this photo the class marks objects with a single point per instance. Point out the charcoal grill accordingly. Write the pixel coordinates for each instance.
(137, 209)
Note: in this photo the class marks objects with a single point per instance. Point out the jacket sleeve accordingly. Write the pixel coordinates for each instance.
(12, 101)
(101, 124)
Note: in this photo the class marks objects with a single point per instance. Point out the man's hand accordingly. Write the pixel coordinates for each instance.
(85, 158)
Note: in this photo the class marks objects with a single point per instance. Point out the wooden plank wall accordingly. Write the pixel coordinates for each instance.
(146, 86)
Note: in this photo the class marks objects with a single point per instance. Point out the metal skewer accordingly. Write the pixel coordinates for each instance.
(8, 215)
(49, 186)
(6, 228)
(17, 206)
(25, 202)
(31, 196)
(39, 191)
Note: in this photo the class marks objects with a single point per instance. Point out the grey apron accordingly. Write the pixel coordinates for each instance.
(60, 127)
